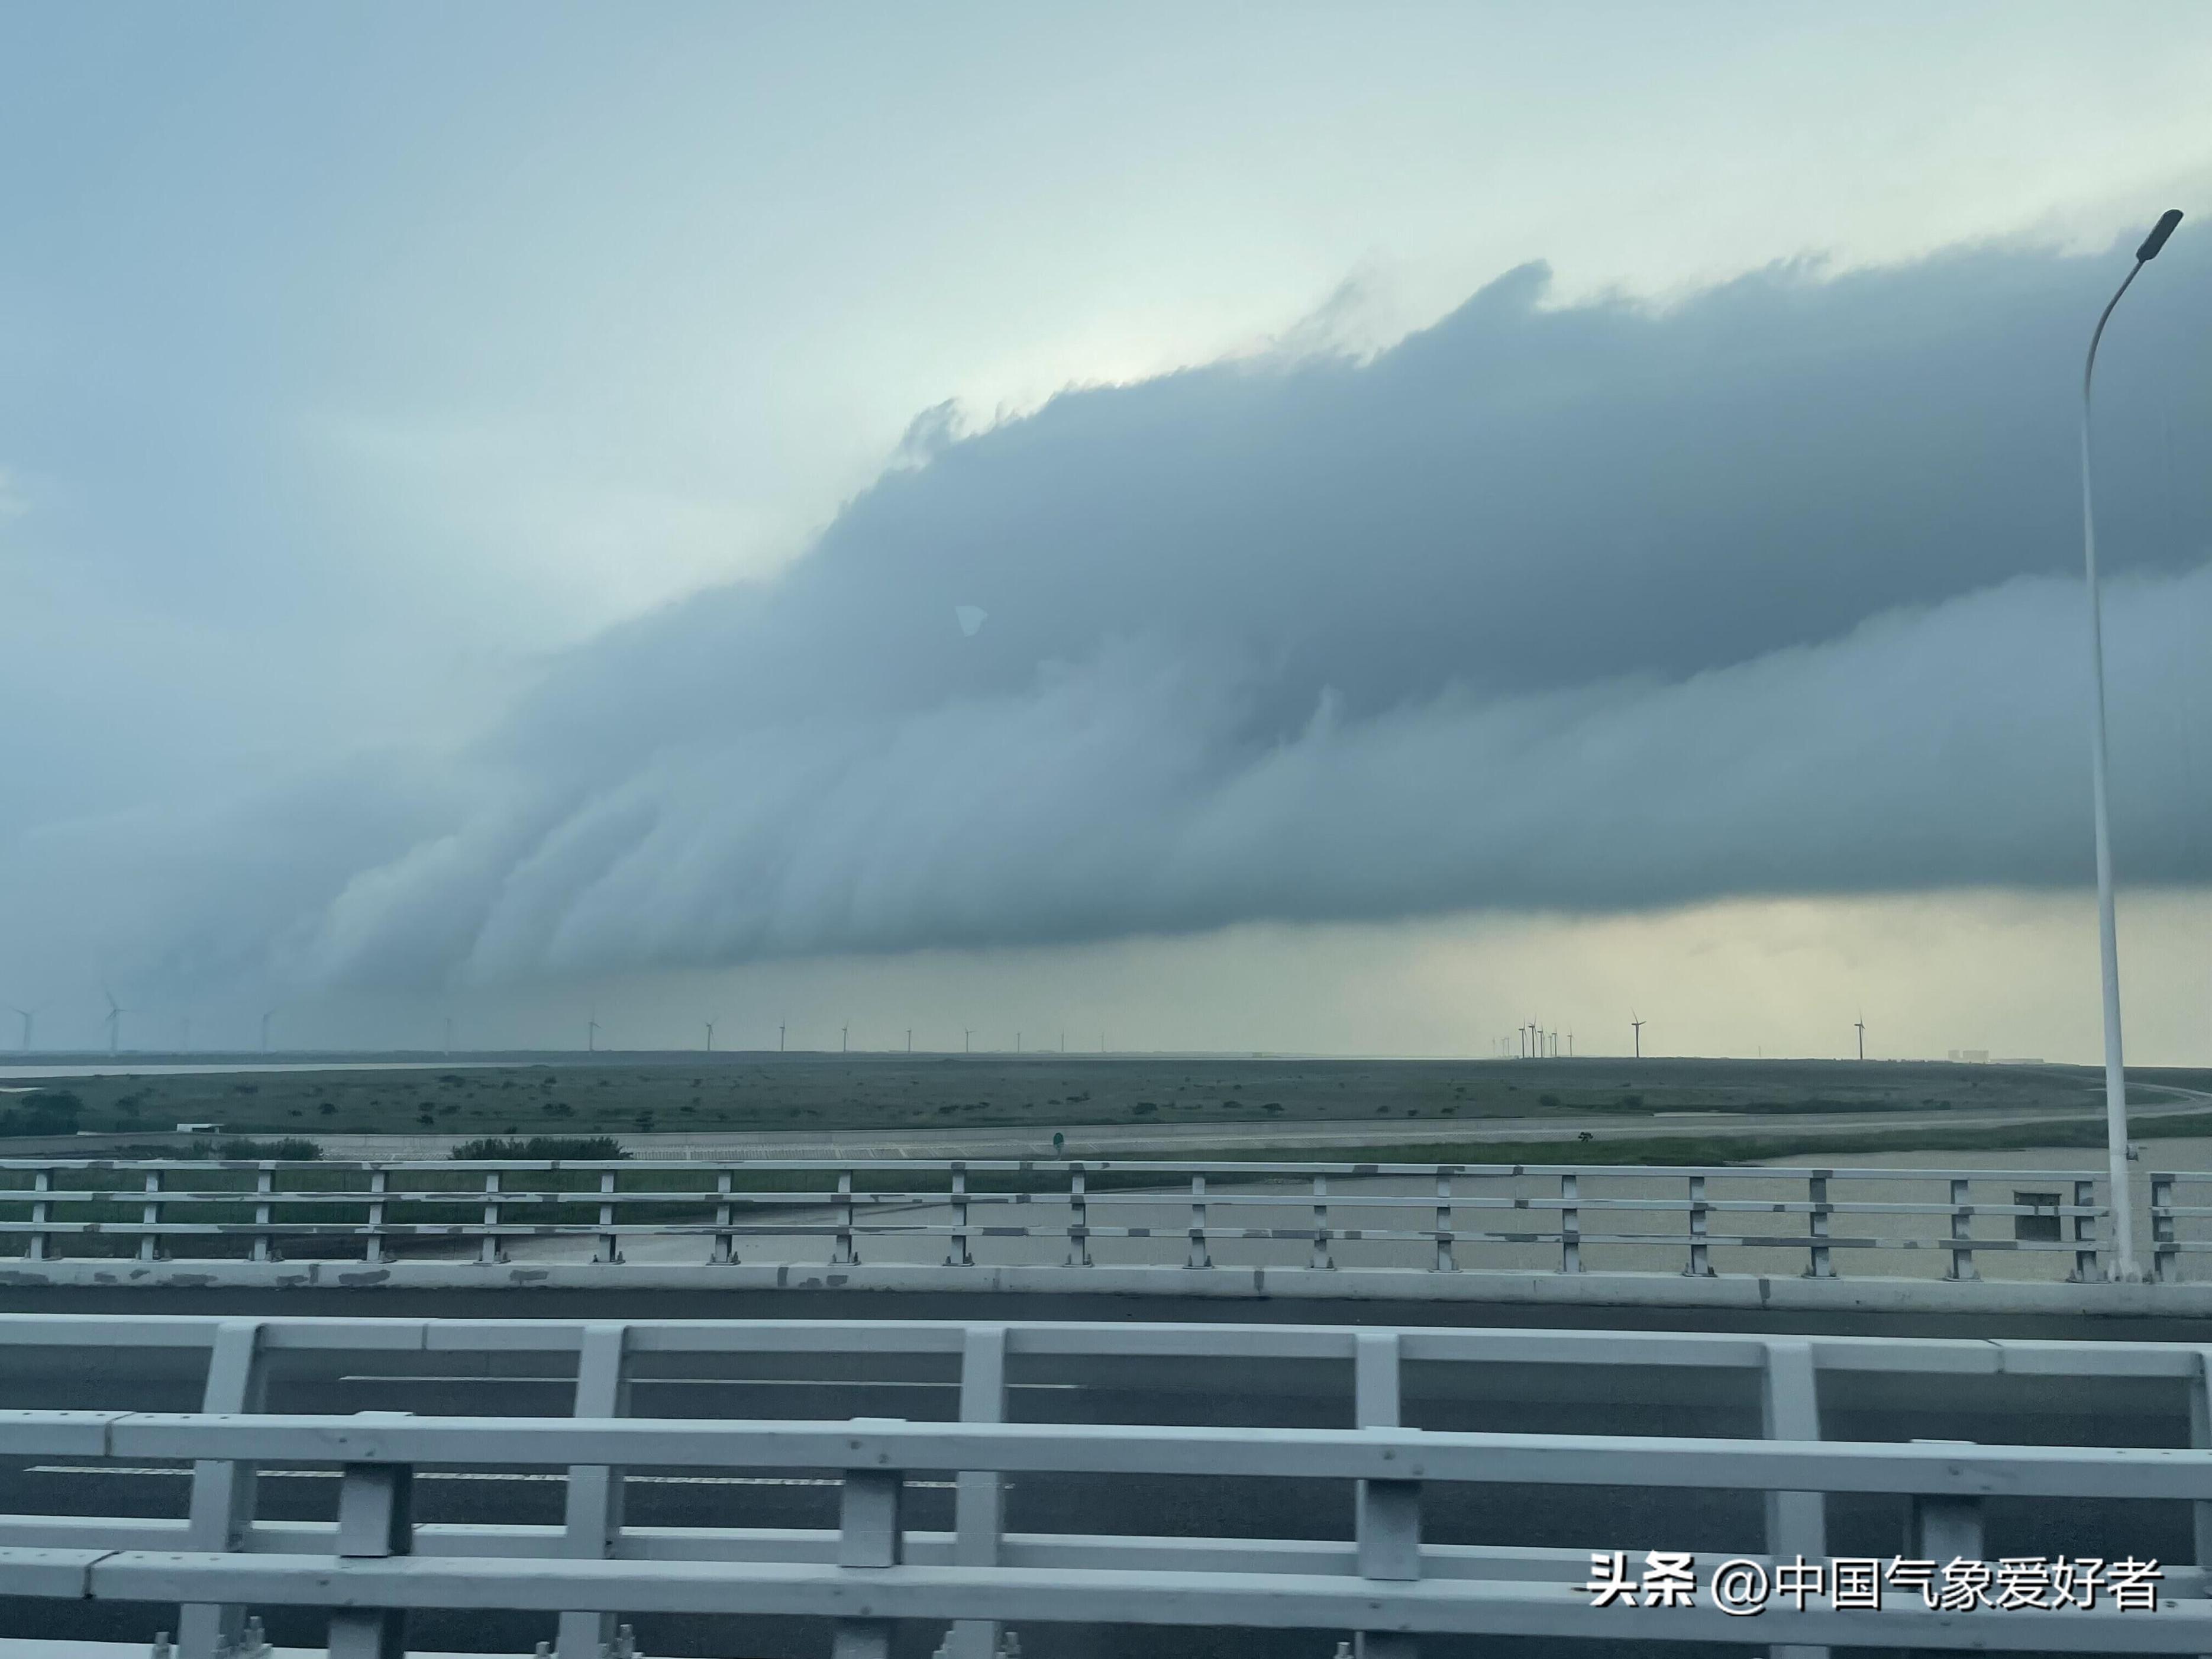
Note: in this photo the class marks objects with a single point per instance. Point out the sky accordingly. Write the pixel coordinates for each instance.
(1338, 529)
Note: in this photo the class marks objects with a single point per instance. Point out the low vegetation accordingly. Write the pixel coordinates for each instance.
(583, 1149)
(747, 1093)
(292, 1149)
(43, 1112)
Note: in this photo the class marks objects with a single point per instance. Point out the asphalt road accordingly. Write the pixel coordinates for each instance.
(1538, 1399)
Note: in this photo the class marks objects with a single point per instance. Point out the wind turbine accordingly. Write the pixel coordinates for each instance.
(114, 1021)
(1860, 1024)
(1017, 1043)
(29, 1015)
(909, 1039)
(1639, 1024)
(449, 1036)
(844, 1039)
(265, 1018)
(964, 1035)
(185, 1042)
(709, 1024)
(779, 1036)
(591, 1032)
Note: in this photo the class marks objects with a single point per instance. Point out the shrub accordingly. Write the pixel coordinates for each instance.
(43, 1112)
(291, 1149)
(587, 1148)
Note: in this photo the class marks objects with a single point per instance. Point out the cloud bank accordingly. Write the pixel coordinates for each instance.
(1595, 607)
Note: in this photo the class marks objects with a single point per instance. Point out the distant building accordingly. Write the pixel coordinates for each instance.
(1971, 1056)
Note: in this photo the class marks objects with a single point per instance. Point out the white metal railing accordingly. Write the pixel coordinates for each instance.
(2177, 1231)
(1442, 1218)
(374, 1563)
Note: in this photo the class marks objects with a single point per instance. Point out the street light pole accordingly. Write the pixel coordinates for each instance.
(2116, 1079)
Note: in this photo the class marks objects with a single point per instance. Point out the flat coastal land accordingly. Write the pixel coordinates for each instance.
(1594, 1110)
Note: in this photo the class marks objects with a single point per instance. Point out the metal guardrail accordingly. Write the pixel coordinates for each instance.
(1440, 1217)
(2169, 1244)
(1386, 1581)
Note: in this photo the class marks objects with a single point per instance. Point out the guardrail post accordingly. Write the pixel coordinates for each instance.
(843, 1255)
(1199, 1255)
(376, 1522)
(2086, 1270)
(1946, 1527)
(1388, 1513)
(1321, 1255)
(1816, 1228)
(1571, 1225)
(42, 1212)
(1797, 1521)
(1700, 1264)
(979, 1500)
(150, 1244)
(871, 1534)
(594, 1514)
(492, 1249)
(2200, 1436)
(958, 1253)
(379, 1184)
(1444, 1228)
(265, 1183)
(221, 1509)
(2164, 1257)
(726, 1244)
(1962, 1233)
(1078, 1218)
(610, 1242)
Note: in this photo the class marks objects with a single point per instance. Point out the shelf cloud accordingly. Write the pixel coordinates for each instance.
(1599, 606)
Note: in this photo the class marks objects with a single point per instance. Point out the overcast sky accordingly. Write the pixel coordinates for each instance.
(1238, 527)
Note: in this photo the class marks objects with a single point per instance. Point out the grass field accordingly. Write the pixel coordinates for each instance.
(636, 1095)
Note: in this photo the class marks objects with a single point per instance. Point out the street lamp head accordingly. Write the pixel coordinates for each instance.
(2159, 232)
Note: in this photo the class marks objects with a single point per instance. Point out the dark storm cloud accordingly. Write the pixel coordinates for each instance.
(1519, 498)
(1593, 606)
